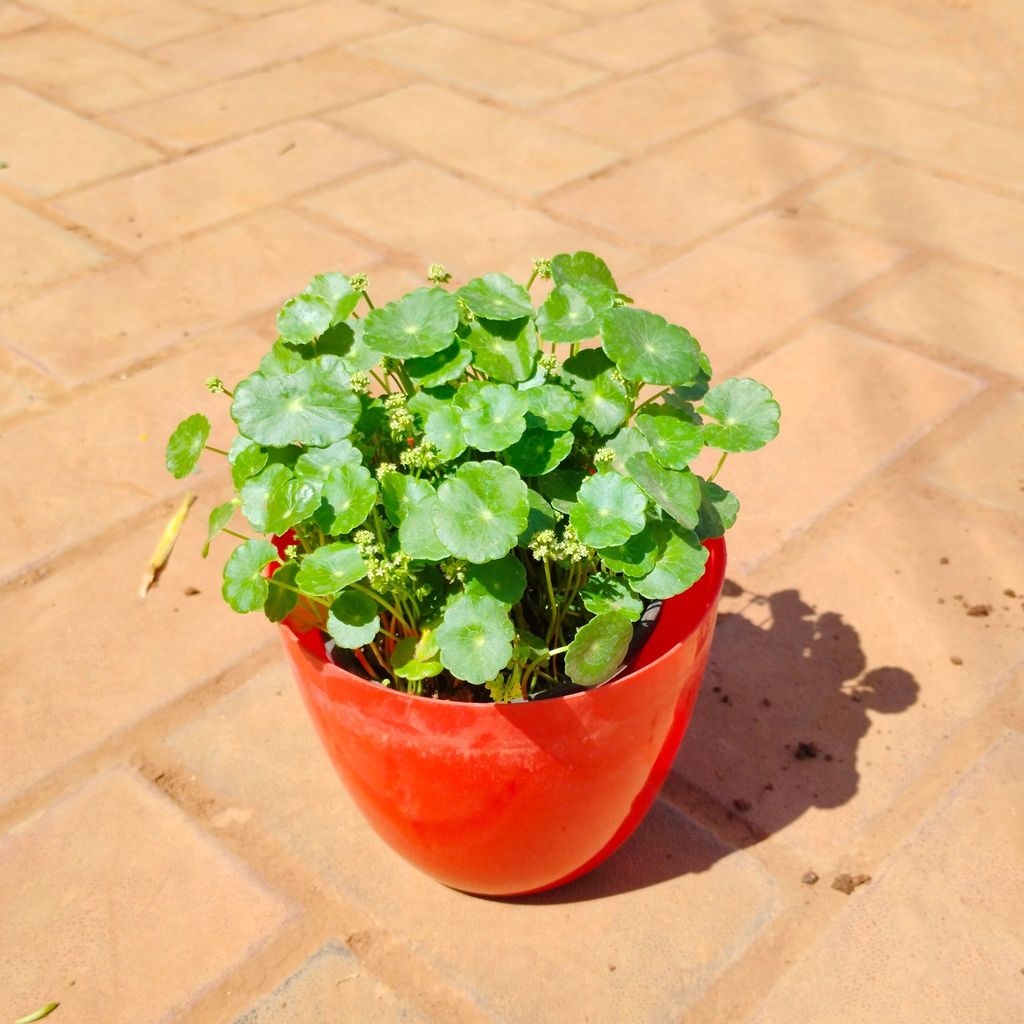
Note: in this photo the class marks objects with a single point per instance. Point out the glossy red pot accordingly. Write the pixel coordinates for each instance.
(503, 799)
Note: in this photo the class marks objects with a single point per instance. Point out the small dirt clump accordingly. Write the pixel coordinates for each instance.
(979, 610)
(806, 751)
(810, 878)
(847, 883)
(956, 660)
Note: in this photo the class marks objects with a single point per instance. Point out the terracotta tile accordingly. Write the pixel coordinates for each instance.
(897, 928)
(847, 642)
(35, 251)
(521, 154)
(965, 315)
(250, 8)
(603, 8)
(331, 984)
(639, 112)
(15, 18)
(670, 871)
(516, 21)
(946, 141)
(216, 184)
(256, 101)
(397, 207)
(102, 884)
(113, 318)
(644, 38)
(699, 185)
(137, 23)
(515, 74)
(917, 208)
(50, 150)
(869, 399)
(247, 45)
(842, 57)
(987, 465)
(743, 289)
(21, 383)
(85, 73)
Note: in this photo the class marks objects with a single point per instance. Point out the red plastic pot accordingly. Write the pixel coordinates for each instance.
(503, 799)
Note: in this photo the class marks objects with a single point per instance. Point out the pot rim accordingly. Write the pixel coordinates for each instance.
(714, 567)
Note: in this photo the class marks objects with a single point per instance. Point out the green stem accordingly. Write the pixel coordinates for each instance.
(552, 602)
(301, 593)
(210, 448)
(533, 277)
(648, 401)
(384, 604)
(721, 462)
(557, 650)
(240, 536)
(382, 382)
(369, 301)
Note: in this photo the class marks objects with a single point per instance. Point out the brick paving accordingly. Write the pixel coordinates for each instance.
(828, 193)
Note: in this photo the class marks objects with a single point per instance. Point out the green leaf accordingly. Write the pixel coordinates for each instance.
(539, 451)
(503, 688)
(557, 408)
(503, 579)
(406, 664)
(312, 406)
(637, 557)
(561, 487)
(276, 500)
(219, 518)
(443, 429)
(351, 492)
(605, 402)
(353, 620)
(609, 509)
(676, 491)
(327, 299)
(696, 389)
(718, 510)
(283, 359)
(475, 638)
(420, 324)
(318, 463)
(481, 511)
(43, 1011)
(566, 316)
(588, 274)
(401, 493)
(680, 563)
(504, 350)
(424, 402)
(417, 533)
(628, 441)
(493, 415)
(330, 568)
(496, 297)
(648, 348)
(245, 587)
(441, 367)
(747, 415)
(336, 290)
(541, 517)
(356, 355)
(280, 600)
(598, 648)
(606, 593)
(247, 458)
(674, 439)
(185, 445)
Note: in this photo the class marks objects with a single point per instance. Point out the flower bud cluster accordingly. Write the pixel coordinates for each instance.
(400, 419)
(384, 468)
(359, 282)
(453, 570)
(437, 274)
(546, 545)
(549, 364)
(359, 382)
(422, 456)
(215, 386)
(386, 574)
(542, 268)
(604, 457)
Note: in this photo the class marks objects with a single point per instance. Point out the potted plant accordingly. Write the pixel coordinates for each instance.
(495, 572)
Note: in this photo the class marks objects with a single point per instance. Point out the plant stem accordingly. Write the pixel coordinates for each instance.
(301, 593)
(648, 401)
(721, 462)
(533, 277)
(382, 382)
(240, 536)
(557, 650)
(210, 448)
(384, 604)
(551, 600)
(369, 301)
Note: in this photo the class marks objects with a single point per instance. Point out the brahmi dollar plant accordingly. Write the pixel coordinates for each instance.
(467, 494)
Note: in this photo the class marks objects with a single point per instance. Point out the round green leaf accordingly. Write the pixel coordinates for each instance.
(441, 367)
(280, 600)
(609, 509)
(718, 510)
(674, 439)
(539, 451)
(680, 563)
(420, 324)
(247, 458)
(417, 533)
(561, 487)
(336, 290)
(504, 350)
(245, 587)
(401, 493)
(637, 557)
(331, 568)
(443, 429)
(648, 348)
(676, 491)
(312, 406)
(219, 518)
(606, 593)
(604, 401)
(598, 648)
(351, 492)
(555, 407)
(747, 416)
(628, 441)
(588, 274)
(493, 415)
(303, 319)
(541, 517)
(318, 463)
(185, 445)
(275, 500)
(353, 620)
(475, 638)
(503, 579)
(481, 511)
(566, 316)
(496, 297)
(406, 664)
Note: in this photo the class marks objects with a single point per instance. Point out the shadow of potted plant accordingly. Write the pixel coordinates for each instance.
(495, 571)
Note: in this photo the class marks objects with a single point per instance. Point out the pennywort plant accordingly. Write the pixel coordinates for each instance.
(473, 497)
